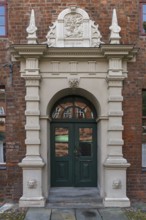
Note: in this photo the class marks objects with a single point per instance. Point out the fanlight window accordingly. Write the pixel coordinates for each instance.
(73, 107)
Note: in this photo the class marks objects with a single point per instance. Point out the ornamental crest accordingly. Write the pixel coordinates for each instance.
(73, 26)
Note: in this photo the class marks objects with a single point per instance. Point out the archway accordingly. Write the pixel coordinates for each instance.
(74, 143)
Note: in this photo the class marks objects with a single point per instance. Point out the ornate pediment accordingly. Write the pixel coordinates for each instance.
(73, 28)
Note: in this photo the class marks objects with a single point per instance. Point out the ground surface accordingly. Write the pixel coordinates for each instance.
(136, 212)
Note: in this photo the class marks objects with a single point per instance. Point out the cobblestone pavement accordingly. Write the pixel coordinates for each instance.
(75, 214)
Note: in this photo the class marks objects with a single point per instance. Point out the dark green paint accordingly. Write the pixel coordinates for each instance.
(74, 169)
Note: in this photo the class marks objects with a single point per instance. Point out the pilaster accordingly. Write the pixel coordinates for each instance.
(115, 165)
(32, 164)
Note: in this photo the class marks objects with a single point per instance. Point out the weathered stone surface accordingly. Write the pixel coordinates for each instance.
(38, 214)
(112, 214)
(86, 214)
(63, 214)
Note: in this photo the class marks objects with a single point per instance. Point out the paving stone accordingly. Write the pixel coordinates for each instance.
(38, 214)
(6, 207)
(112, 214)
(86, 214)
(63, 214)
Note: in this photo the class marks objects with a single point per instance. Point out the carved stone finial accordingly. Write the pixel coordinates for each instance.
(115, 29)
(31, 29)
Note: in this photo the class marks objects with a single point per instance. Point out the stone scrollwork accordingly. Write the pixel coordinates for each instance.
(32, 184)
(73, 82)
(117, 184)
(96, 36)
(51, 36)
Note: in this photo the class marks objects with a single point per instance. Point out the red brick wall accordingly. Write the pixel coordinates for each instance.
(46, 12)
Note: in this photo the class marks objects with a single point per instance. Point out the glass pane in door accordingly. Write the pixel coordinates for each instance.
(85, 141)
(61, 142)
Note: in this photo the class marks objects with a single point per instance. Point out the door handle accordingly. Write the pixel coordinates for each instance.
(77, 152)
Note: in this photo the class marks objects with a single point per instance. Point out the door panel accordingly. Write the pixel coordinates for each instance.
(86, 160)
(61, 155)
(74, 154)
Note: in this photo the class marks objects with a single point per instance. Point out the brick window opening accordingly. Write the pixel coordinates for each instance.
(3, 18)
(2, 124)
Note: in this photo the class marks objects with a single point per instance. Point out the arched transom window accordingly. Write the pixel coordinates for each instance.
(73, 107)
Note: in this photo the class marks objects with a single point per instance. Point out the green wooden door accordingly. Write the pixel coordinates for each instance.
(73, 154)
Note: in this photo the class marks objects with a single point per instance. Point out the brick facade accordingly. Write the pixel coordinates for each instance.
(46, 12)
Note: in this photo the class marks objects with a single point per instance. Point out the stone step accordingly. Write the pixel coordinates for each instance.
(71, 197)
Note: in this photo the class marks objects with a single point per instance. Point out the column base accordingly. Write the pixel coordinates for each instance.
(32, 202)
(116, 202)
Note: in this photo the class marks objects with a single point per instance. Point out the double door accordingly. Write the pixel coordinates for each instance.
(73, 154)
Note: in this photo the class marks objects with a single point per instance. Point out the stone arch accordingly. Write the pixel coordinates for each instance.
(77, 91)
(73, 9)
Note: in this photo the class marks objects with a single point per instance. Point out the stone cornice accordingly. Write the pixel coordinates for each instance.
(104, 51)
(125, 51)
(28, 50)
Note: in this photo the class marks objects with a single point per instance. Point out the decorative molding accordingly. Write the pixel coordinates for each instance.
(32, 184)
(32, 141)
(31, 29)
(100, 118)
(127, 52)
(115, 142)
(114, 113)
(32, 113)
(73, 82)
(32, 128)
(115, 99)
(32, 98)
(115, 128)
